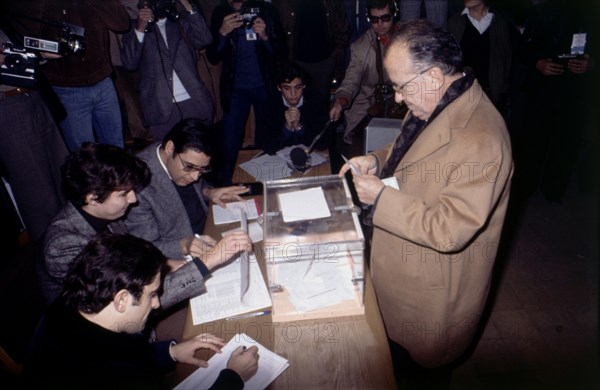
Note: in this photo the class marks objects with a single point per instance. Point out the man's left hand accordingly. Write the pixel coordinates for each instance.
(221, 195)
(367, 187)
(580, 66)
(184, 352)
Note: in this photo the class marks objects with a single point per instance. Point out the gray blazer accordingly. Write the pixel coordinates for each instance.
(155, 63)
(69, 233)
(160, 216)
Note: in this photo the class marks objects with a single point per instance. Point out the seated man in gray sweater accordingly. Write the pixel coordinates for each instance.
(172, 209)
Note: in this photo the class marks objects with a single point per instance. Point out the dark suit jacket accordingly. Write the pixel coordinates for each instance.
(155, 62)
(69, 233)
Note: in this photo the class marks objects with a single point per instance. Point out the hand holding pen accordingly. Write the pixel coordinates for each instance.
(244, 361)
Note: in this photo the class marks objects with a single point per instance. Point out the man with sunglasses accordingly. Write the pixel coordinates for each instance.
(357, 92)
(172, 209)
(296, 113)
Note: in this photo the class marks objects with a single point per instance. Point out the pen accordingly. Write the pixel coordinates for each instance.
(209, 244)
(352, 167)
(249, 315)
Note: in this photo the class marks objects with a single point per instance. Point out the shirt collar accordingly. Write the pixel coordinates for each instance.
(162, 164)
(480, 25)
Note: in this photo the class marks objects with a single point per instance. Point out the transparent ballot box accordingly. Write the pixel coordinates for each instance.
(314, 248)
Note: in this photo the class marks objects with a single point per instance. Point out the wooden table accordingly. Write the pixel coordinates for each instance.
(336, 352)
(241, 176)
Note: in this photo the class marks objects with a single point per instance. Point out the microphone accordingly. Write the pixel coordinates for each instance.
(299, 156)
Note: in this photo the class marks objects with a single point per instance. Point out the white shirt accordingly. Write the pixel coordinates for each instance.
(179, 92)
(480, 25)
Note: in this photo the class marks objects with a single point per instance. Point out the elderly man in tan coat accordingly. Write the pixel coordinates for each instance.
(435, 238)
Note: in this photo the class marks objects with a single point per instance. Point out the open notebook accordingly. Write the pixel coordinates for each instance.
(270, 366)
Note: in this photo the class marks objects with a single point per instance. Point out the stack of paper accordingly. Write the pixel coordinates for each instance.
(223, 293)
(270, 366)
(231, 213)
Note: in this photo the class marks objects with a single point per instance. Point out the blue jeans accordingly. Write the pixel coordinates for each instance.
(234, 123)
(94, 108)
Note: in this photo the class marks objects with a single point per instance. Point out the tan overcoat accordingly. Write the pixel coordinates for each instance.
(435, 240)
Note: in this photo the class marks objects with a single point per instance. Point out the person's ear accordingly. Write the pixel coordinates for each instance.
(91, 199)
(437, 77)
(121, 300)
(169, 148)
(278, 88)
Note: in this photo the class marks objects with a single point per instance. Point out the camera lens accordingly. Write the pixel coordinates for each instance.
(15, 62)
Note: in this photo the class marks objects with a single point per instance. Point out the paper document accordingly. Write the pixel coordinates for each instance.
(267, 168)
(255, 232)
(223, 291)
(231, 213)
(270, 366)
(303, 205)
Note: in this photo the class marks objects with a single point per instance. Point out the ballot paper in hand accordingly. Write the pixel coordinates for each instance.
(303, 205)
(231, 213)
(270, 366)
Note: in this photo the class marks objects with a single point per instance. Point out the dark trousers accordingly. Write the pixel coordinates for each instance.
(410, 375)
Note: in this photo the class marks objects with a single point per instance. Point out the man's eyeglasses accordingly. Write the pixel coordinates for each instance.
(289, 87)
(190, 168)
(384, 18)
(400, 89)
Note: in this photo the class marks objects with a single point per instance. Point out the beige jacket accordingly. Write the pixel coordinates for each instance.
(435, 240)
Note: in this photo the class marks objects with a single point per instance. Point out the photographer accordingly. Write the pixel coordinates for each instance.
(247, 38)
(357, 92)
(161, 46)
(31, 152)
(83, 81)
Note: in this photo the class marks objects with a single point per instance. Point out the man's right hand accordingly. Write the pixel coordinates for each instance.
(230, 23)
(233, 243)
(244, 362)
(366, 165)
(548, 68)
(145, 17)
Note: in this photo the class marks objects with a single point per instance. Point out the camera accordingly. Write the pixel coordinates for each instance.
(162, 8)
(249, 11)
(71, 41)
(19, 67)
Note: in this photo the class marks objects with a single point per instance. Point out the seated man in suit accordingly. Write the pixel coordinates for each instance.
(172, 209)
(91, 335)
(296, 114)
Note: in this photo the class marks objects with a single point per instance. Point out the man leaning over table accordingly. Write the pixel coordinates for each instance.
(100, 183)
(435, 238)
(90, 337)
(171, 211)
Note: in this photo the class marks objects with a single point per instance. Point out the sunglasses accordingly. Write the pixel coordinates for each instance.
(384, 18)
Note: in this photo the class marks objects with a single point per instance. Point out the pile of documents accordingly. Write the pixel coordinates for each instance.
(270, 366)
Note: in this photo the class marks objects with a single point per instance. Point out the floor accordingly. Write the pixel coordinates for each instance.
(541, 331)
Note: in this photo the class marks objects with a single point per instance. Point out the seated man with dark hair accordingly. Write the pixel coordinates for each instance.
(91, 335)
(296, 114)
(100, 183)
(172, 209)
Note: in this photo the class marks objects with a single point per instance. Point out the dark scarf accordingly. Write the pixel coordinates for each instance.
(412, 127)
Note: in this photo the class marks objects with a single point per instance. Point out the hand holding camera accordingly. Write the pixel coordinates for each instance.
(230, 23)
(145, 17)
